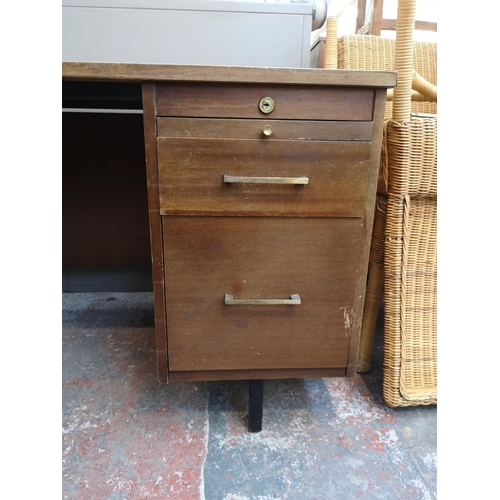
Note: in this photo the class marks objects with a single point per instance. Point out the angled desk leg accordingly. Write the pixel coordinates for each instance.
(255, 405)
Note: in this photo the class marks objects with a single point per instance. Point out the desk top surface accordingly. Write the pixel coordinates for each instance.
(224, 74)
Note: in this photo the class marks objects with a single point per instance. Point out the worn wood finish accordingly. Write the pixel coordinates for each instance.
(252, 258)
(242, 101)
(369, 208)
(311, 240)
(148, 101)
(255, 374)
(206, 128)
(191, 177)
(169, 72)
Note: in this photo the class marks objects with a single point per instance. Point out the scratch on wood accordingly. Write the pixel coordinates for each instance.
(347, 317)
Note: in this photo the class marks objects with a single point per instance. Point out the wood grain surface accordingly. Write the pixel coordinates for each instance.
(155, 229)
(259, 258)
(369, 209)
(191, 175)
(242, 101)
(95, 71)
(209, 128)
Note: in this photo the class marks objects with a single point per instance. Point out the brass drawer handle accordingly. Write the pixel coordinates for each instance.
(231, 179)
(294, 300)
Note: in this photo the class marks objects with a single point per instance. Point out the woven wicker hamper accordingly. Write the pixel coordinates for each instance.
(403, 252)
(410, 264)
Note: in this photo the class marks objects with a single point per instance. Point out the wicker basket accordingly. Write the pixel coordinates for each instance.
(410, 264)
(403, 262)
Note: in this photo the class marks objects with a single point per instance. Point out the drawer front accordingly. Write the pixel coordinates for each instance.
(192, 177)
(257, 258)
(225, 128)
(242, 101)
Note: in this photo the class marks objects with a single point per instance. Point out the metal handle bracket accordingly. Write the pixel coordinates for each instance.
(292, 301)
(231, 179)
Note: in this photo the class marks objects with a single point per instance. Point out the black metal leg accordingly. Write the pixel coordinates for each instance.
(255, 405)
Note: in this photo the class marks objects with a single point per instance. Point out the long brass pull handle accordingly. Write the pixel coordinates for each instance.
(231, 179)
(294, 300)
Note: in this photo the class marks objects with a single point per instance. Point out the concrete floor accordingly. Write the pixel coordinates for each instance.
(126, 437)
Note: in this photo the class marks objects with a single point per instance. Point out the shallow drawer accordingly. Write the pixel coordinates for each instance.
(225, 128)
(214, 265)
(256, 177)
(242, 101)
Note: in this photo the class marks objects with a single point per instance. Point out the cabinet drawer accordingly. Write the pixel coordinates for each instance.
(192, 177)
(226, 128)
(242, 101)
(259, 258)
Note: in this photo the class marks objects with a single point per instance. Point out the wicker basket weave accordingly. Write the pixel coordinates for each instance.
(375, 53)
(410, 264)
(403, 262)
(410, 250)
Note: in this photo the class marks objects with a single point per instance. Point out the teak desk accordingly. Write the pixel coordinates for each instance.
(261, 192)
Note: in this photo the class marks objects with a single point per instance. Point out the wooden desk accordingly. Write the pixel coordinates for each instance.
(260, 214)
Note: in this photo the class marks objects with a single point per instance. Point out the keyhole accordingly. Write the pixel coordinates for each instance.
(266, 105)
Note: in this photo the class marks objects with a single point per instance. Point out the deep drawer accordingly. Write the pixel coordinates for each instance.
(255, 259)
(242, 101)
(253, 177)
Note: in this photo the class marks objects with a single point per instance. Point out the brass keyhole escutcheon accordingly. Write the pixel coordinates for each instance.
(266, 105)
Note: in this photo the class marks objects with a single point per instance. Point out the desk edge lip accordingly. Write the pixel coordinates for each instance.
(145, 72)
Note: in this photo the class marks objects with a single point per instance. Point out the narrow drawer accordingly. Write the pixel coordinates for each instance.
(255, 259)
(252, 177)
(226, 128)
(242, 101)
